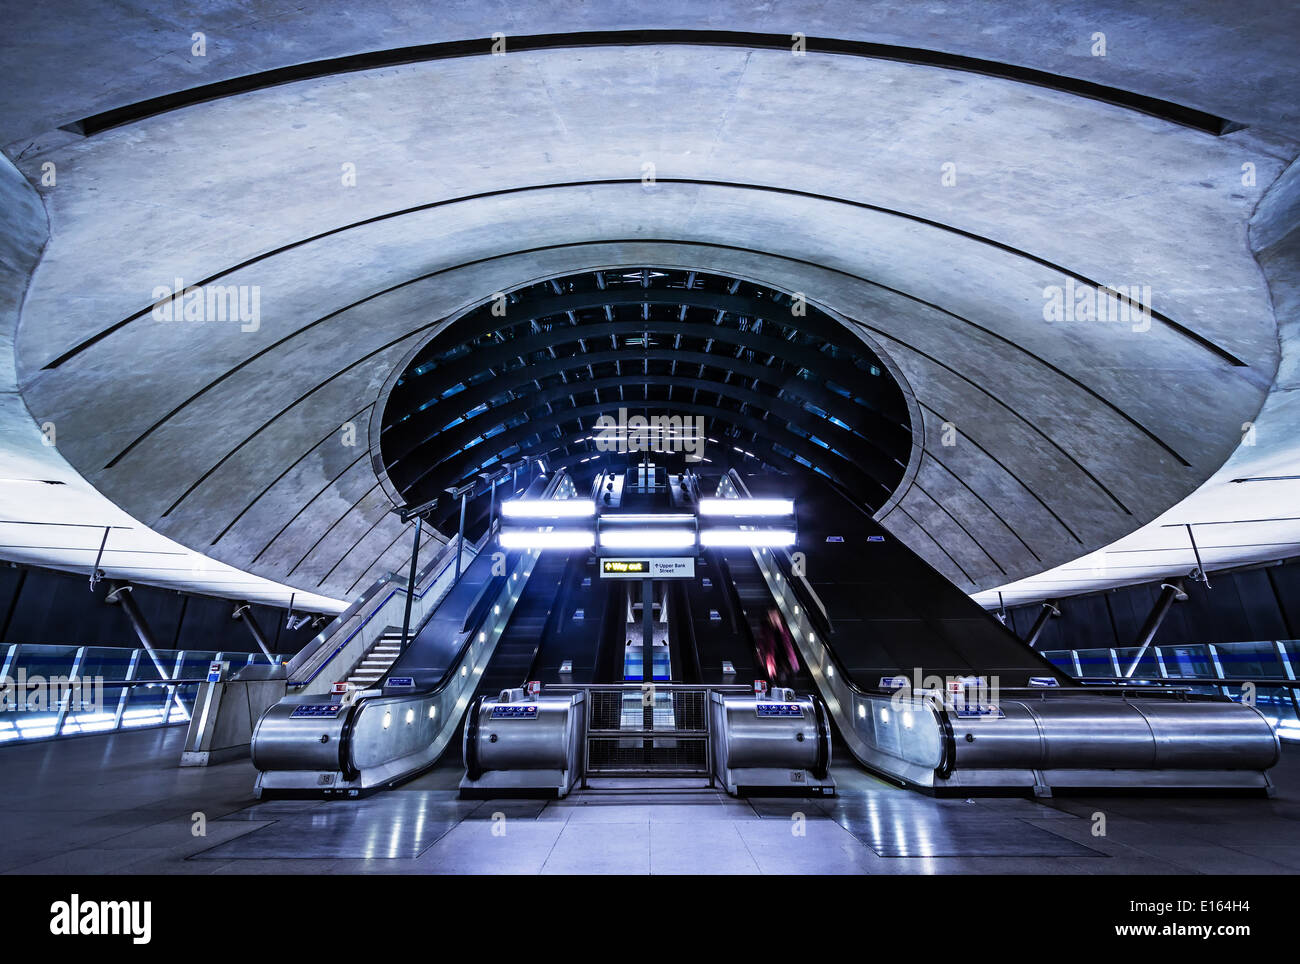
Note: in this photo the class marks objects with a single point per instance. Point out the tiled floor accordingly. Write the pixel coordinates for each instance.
(119, 804)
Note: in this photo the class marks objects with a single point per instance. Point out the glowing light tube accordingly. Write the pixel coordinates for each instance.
(747, 537)
(750, 507)
(555, 539)
(548, 508)
(648, 539)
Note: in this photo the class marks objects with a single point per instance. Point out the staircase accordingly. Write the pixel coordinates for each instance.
(375, 664)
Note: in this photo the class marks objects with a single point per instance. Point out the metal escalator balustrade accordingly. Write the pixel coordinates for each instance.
(353, 743)
(1032, 739)
(533, 622)
(546, 741)
(335, 653)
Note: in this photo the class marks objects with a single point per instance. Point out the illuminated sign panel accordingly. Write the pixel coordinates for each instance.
(664, 568)
(625, 567)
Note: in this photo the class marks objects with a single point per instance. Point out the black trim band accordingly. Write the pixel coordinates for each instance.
(1155, 107)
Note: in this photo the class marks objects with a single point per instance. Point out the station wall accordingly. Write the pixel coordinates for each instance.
(1250, 604)
(48, 607)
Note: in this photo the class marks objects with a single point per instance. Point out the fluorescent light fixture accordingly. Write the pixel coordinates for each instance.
(556, 539)
(548, 508)
(648, 518)
(746, 537)
(764, 507)
(648, 539)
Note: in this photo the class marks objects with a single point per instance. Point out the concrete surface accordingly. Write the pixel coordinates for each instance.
(819, 174)
(119, 804)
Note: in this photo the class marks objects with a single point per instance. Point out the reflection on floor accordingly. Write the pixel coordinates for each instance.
(119, 804)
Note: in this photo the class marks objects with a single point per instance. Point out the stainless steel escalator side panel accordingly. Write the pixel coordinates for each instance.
(283, 742)
(1211, 735)
(537, 748)
(1015, 741)
(756, 752)
(1067, 738)
(1065, 732)
(379, 740)
(903, 738)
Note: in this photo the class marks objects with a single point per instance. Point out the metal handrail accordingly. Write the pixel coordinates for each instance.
(377, 698)
(469, 634)
(446, 559)
(307, 652)
(831, 655)
(734, 477)
(1190, 681)
(338, 622)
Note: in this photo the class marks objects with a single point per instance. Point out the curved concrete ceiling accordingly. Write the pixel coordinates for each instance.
(932, 210)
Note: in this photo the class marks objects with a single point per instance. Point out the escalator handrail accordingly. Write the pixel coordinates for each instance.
(1046, 665)
(823, 761)
(610, 618)
(831, 656)
(686, 623)
(443, 561)
(472, 769)
(361, 702)
(803, 584)
(554, 622)
(470, 626)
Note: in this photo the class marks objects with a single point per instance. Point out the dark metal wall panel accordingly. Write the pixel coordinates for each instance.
(1253, 604)
(1084, 623)
(11, 579)
(1127, 613)
(208, 625)
(41, 606)
(1286, 591)
(1259, 605)
(59, 609)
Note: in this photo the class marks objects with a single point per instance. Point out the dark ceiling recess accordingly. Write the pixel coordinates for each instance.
(422, 53)
(781, 386)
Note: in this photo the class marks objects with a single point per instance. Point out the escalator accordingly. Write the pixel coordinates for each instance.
(352, 743)
(776, 658)
(583, 622)
(535, 620)
(928, 689)
(887, 610)
(612, 718)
